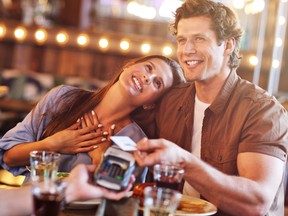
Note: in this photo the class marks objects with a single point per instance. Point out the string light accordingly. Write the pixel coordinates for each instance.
(124, 45)
(40, 35)
(83, 40)
(20, 33)
(2, 30)
(103, 43)
(250, 7)
(167, 50)
(253, 60)
(62, 38)
(238, 4)
(141, 10)
(145, 48)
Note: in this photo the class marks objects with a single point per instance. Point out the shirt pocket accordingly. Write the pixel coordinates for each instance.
(223, 159)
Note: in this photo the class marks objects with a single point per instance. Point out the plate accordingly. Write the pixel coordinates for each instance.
(192, 206)
(87, 204)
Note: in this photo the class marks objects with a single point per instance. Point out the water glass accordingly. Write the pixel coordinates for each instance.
(160, 201)
(44, 164)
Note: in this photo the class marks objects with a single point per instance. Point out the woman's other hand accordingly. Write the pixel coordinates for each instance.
(75, 140)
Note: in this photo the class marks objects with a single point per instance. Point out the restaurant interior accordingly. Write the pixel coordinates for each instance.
(44, 43)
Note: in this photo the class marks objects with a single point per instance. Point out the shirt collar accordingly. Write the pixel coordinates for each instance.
(223, 97)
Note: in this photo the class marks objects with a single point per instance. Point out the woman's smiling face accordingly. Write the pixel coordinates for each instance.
(146, 81)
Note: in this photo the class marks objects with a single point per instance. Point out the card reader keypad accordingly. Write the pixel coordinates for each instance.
(113, 167)
(115, 170)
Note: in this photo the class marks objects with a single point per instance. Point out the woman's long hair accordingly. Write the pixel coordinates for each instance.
(75, 103)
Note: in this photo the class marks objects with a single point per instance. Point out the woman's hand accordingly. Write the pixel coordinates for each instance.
(91, 118)
(75, 140)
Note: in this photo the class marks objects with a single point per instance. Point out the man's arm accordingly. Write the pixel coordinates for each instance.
(250, 193)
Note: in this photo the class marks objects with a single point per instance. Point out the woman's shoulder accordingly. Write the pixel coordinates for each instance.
(54, 94)
(59, 91)
(62, 89)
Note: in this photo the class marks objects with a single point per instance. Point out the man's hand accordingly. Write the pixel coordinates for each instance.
(155, 151)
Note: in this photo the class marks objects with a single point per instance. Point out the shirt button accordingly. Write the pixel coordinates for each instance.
(219, 157)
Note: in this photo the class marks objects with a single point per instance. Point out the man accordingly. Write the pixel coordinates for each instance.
(236, 132)
(18, 201)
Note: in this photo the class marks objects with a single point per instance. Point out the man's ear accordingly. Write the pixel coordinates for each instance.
(229, 46)
(149, 106)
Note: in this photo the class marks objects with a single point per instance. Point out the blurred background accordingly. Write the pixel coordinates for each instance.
(44, 43)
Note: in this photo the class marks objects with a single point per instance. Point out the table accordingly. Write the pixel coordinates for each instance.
(79, 212)
(124, 207)
(12, 111)
(16, 105)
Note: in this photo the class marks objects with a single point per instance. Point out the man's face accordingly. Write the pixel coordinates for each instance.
(198, 52)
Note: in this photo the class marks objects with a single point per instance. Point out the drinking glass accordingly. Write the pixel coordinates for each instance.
(47, 190)
(47, 196)
(160, 201)
(44, 164)
(168, 176)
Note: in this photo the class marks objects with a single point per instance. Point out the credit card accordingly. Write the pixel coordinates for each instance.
(124, 142)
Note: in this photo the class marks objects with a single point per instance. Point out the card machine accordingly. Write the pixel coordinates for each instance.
(116, 169)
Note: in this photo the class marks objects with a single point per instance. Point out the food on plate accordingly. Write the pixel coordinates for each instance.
(62, 174)
(138, 191)
(192, 206)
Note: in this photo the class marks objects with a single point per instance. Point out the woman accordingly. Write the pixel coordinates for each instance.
(73, 121)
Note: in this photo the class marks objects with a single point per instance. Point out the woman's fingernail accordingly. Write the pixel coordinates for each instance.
(94, 147)
(93, 113)
(100, 125)
(113, 126)
(103, 139)
(105, 133)
(78, 120)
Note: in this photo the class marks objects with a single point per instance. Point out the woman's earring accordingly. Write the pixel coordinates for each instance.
(148, 106)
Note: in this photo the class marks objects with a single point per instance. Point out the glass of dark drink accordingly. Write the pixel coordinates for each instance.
(168, 176)
(47, 197)
(47, 189)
